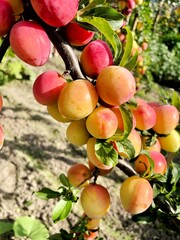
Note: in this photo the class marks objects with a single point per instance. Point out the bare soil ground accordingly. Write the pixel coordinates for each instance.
(35, 152)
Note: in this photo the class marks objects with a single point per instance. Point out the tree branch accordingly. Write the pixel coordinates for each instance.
(125, 166)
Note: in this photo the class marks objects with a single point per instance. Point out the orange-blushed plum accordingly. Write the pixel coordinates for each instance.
(77, 35)
(136, 194)
(1, 136)
(79, 175)
(167, 118)
(171, 142)
(47, 87)
(56, 13)
(6, 17)
(101, 172)
(95, 57)
(91, 235)
(34, 49)
(77, 99)
(154, 146)
(77, 132)
(92, 155)
(95, 200)
(55, 114)
(102, 123)
(142, 163)
(115, 85)
(145, 115)
(1, 102)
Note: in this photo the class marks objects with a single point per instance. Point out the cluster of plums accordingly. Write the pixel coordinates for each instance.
(90, 105)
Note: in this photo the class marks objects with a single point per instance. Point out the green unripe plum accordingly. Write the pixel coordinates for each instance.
(102, 123)
(95, 201)
(77, 132)
(77, 99)
(78, 175)
(171, 142)
(136, 194)
(115, 85)
(56, 13)
(95, 57)
(30, 43)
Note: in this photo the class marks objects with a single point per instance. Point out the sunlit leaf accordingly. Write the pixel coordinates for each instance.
(128, 47)
(125, 148)
(61, 210)
(31, 228)
(64, 180)
(130, 65)
(106, 153)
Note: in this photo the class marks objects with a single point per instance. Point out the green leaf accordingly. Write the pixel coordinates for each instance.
(64, 180)
(176, 100)
(46, 193)
(106, 153)
(92, 4)
(128, 47)
(108, 13)
(105, 28)
(125, 148)
(5, 227)
(61, 210)
(175, 173)
(149, 172)
(132, 62)
(30, 227)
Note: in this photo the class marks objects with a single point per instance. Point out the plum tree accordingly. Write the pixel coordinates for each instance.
(47, 87)
(97, 96)
(35, 53)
